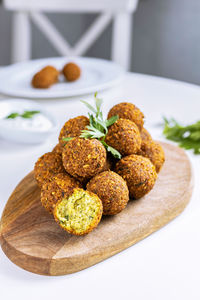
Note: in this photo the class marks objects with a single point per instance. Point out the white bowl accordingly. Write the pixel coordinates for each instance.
(22, 135)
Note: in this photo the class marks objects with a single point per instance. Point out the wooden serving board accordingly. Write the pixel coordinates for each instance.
(32, 240)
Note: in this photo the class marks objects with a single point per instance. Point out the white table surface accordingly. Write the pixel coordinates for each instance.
(165, 265)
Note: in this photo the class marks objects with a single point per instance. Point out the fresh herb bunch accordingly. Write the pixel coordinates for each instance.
(98, 127)
(27, 114)
(188, 137)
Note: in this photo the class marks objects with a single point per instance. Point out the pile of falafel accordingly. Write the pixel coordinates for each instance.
(80, 181)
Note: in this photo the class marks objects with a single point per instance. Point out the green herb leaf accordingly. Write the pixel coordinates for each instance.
(12, 116)
(112, 150)
(101, 125)
(111, 121)
(188, 137)
(67, 139)
(98, 127)
(98, 106)
(89, 106)
(92, 133)
(28, 114)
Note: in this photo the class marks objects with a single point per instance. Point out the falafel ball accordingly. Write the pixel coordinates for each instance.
(47, 166)
(45, 77)
(79, 213)
(73, 128)
(145, 135)
(61, 185)
(109, 165)
(83, 157)
(154, 152)
(139, 174)
(124, 136)
(71, 71)
(112, 190)
(58, 149)
(126, 110)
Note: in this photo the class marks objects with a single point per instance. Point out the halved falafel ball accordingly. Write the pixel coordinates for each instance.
(83, 157)
(47, 166)
(79, 213)
(61, 185)
(126, 110)
(45, 77)
(71, 71)
(145, 135)
(154, 152)
(58, 149)
(139, 174)
(73, 128)
(124, 136)
(112, 190)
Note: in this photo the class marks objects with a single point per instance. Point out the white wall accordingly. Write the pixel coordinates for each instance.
(166, 38)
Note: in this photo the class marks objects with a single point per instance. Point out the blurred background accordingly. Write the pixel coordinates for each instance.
(165, 39)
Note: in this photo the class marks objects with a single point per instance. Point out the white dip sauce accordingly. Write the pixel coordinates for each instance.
(38, 122)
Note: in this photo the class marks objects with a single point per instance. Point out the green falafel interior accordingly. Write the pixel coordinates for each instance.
(98, 127)
(79, 213)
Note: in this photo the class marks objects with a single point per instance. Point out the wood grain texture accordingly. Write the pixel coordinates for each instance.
(32, 240)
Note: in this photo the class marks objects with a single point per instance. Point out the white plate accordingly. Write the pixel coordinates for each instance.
(97, 74)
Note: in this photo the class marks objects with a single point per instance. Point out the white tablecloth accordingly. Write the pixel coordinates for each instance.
(163, 266)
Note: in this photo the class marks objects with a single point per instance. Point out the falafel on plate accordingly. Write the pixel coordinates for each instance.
(71, 71)
(45, 77)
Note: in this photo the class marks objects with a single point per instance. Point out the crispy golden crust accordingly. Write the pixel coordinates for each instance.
(126, 110)
(71, 71)
(124, 136)
(112, 190)
(47, 166)
(93, 224)
(109, 165)
(45, 77)
(83, 157)
(139, 174)
(73, 128)
(65, 180)
(58, 149)
(145, 135)
(61, 185)
(154, 152)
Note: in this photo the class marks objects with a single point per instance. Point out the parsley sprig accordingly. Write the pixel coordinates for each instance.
(188, 137)
(98, 127)
(27, 114)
